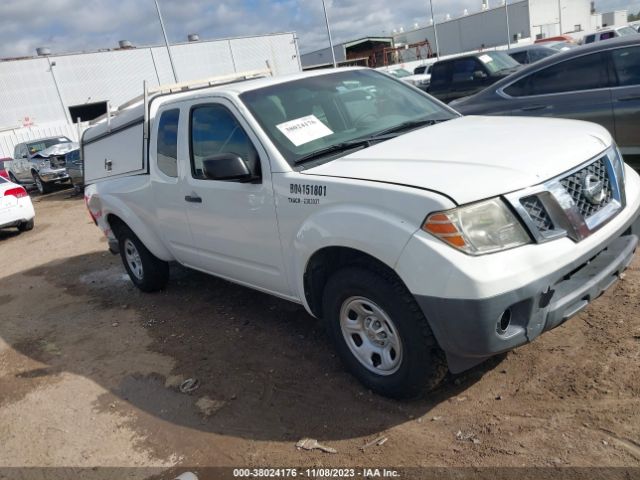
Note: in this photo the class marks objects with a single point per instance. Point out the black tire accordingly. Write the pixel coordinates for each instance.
(26, 226)
(153, 274)
(42, 186)
(13, 179)
(422, 364)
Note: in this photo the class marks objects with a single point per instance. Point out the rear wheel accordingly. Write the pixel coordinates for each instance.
(381, 334)
(26, 226)
(146, 271)
(43, 187)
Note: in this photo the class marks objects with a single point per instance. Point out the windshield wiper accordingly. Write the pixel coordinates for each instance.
(411, 124)
(367, 141)
(338, 147)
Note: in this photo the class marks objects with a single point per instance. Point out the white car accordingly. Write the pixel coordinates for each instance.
(425, 240)
(420, 80)
(16, 209)
(609, 33)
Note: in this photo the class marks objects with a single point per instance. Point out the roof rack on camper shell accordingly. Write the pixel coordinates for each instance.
(150, 93)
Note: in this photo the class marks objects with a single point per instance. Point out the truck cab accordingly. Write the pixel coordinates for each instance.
(468, 74)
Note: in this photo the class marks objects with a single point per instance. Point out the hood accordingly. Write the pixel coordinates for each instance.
(473, 158)
(59, 149)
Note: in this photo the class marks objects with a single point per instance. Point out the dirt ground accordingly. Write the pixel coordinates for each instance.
(90, 368)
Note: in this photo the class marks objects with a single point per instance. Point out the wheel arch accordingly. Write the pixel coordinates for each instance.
(328, 260)
(146, 235)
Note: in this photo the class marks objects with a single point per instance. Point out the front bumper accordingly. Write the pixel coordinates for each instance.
(470, 330)
(54, 175)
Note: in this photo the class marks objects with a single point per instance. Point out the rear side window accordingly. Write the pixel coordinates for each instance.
(626, 62)
(441, 74)
(520, 57)
(540, 53)
(214, 130)
(167, 155)
(589, 38)
(582, 73)
(463, 70)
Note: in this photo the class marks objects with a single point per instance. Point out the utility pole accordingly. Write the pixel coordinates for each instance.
(560, 15)
(435, 30)
(166, 42)
(506, 13)
(326, 19)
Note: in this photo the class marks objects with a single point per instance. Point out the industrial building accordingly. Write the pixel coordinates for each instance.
(495, 24)
(487, 28)
(366, 51)
(45, 95)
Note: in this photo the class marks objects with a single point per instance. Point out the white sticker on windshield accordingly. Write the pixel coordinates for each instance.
(304, 130)
(485, 58)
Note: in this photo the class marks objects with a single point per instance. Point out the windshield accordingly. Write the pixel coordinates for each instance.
(399, 73)
(562, 46)
(627, 31)
(498, 61)
(312, 114)
(35, 147)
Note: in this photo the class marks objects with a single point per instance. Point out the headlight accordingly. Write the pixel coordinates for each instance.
(478, 228)
(45, 164)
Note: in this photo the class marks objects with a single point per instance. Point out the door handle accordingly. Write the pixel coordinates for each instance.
(532, 108)
(193, 198)
(629, 98)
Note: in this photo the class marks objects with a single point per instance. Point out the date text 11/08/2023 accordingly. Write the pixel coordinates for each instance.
(315, 473)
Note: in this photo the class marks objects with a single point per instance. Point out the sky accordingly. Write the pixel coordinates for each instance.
(84, 25)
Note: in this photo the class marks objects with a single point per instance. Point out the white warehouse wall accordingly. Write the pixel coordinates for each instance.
(471, 32)
(28, 93)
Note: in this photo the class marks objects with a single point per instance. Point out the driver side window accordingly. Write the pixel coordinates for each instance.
(214, 131)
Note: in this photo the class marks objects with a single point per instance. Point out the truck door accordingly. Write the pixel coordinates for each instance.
(234, 224)
(577, 88)
(21, 163)
(626, 98)
(168, 145)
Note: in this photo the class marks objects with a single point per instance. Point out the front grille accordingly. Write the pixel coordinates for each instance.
(57, 161)
(574, 186)
(538, 213)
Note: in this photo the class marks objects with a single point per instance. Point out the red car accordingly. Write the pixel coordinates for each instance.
(557, 38)
(3, 170)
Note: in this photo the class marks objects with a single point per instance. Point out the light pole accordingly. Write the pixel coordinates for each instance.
(506, 14)
(326, 19)
(166, 42)
(560, 15)
(435, 30)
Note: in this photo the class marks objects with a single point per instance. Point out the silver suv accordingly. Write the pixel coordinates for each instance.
(41, 162)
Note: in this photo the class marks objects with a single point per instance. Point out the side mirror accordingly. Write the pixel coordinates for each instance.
(24, 155)
(479, 75)
(226, 166)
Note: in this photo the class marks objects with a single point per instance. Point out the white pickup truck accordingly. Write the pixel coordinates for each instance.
(425, 240)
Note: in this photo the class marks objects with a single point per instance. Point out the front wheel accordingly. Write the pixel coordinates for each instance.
(381, 334)
(42, 186)
(13, 179)
(146, 271)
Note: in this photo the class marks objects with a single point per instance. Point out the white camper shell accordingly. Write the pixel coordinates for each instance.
(115, 146)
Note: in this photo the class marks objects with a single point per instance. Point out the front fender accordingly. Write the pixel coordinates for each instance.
(378, 233)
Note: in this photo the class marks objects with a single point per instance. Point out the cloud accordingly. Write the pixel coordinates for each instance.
(81, 25)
